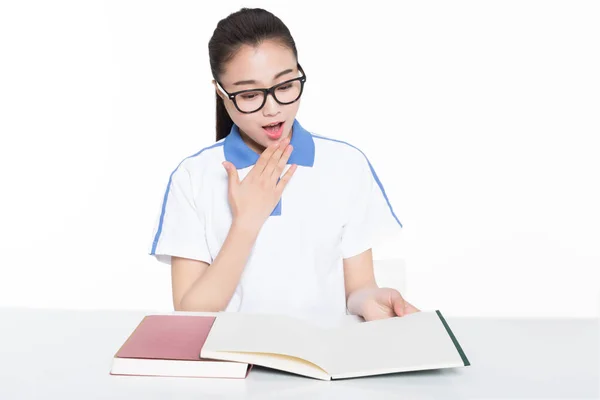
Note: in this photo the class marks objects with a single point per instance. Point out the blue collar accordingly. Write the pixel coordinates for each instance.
(239, 154)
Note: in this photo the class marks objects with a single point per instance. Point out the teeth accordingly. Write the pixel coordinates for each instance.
(273, 124)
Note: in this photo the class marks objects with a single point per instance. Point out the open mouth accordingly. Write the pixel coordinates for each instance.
(274, 130)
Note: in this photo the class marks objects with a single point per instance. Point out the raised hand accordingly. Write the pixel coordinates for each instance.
(253, 199)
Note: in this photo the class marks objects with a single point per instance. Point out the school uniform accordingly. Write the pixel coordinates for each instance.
(334, 207)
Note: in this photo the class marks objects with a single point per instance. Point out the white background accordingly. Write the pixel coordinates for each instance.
(481, 119)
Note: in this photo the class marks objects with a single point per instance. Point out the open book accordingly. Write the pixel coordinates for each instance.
(417, 341)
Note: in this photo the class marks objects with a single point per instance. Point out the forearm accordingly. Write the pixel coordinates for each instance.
(213, 290)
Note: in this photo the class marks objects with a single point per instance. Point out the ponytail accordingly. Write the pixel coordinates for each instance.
(224, 122)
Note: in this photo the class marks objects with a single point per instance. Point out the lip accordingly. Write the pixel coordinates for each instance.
(275, 135)
(273, 123)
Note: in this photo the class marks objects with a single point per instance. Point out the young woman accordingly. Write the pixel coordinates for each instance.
(272, 218)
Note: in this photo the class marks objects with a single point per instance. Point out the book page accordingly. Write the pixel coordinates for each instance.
(243, 333)
(416, 341)
(277, 361)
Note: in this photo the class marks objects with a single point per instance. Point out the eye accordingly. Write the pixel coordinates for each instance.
(285, 87)
(250, 95)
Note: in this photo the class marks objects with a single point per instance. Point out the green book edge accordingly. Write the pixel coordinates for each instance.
(456, 344)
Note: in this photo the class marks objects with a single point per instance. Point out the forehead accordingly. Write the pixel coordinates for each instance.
(260, 63)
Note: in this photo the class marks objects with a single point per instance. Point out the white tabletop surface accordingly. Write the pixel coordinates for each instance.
(67, 354)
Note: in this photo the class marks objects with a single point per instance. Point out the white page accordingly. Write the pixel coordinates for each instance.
(258, 333)
(276, 361)
(416, 341)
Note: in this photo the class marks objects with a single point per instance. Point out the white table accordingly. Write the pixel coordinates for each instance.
(67, 354)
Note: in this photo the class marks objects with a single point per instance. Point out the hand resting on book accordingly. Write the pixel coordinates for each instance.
(378, 303)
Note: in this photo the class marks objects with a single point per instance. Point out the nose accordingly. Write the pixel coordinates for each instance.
(271, 106)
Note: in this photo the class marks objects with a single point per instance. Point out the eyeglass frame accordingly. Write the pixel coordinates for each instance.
(266, 92)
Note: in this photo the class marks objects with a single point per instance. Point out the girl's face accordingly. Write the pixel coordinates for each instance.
(260, 68)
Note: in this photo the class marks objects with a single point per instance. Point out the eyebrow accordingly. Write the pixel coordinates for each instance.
(252, 81)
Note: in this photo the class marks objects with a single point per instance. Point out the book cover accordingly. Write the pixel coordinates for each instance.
(170, 345)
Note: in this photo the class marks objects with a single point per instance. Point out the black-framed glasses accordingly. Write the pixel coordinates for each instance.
(251, 100)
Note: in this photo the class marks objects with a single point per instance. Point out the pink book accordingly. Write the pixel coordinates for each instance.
(170, 345)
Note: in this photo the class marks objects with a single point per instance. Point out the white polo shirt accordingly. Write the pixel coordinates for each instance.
(334, 207)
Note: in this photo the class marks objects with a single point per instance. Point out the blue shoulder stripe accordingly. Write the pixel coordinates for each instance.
(166, 197)
(372, 171)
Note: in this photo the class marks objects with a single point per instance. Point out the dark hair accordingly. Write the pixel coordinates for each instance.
(248, 26)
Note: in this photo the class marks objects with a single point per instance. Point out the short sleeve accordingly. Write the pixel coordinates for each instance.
(180, 229)
(372, 218)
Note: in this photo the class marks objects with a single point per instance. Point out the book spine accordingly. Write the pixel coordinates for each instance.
(462, 354)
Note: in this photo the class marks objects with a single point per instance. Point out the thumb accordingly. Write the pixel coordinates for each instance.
(398, 303)
(231, 173)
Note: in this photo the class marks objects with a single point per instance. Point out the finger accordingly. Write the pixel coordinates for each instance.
(275, 157)
(398, 304)
(263, 160)
(232, 175)
(409, 309)
(282, 162)
(285, 179)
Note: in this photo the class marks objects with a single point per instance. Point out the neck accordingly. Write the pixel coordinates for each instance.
(254, 146)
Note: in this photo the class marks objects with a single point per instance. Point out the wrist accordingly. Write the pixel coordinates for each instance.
(357, 299)
(245, 228)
